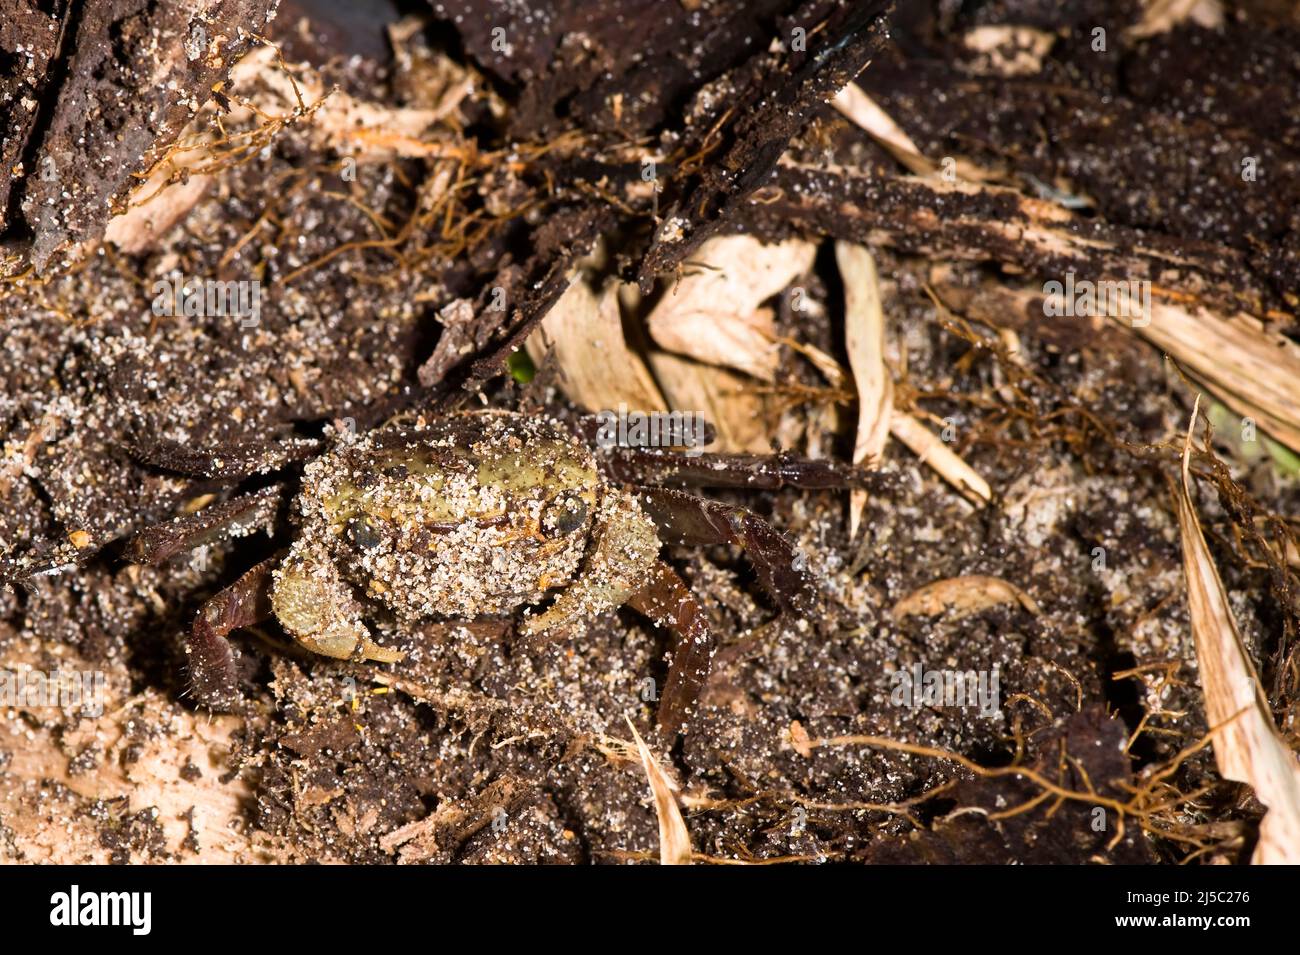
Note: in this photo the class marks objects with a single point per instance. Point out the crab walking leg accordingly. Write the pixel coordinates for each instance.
(213, 676)
(757, 471)
(316, 607)
(232, 461)
(674, 429)
(685, 519)
(236, 517)
(667, 601)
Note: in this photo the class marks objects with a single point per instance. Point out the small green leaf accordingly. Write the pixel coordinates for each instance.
(1286, 460)
(521, 367)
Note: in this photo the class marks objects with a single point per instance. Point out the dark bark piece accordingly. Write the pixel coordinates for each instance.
(607, 66)
(941, 220)
(780, 100)
(124, 79)
(1127, 154)
(24, 77)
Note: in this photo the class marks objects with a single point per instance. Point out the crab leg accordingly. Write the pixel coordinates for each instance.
(214, 677)
(233, 518)
(758, 471)
(685, 519)
(232, 461)
(674, 430)
(667, 601)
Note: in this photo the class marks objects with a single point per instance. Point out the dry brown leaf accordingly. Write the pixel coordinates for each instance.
(965, 595)
(1247, 747)
(713, 313)
(583, 335)
(674, 837)
(1163, 15)
(864, 339)
(744, 419)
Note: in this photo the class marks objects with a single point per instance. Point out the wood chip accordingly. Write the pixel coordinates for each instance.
(964, 595)
(930, 448)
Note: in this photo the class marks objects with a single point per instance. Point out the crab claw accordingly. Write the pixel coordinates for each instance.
(317, 609)
(624, 547)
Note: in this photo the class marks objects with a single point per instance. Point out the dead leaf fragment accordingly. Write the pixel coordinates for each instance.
(583, 334)
(1247, 747)
(713, 313)
(1160, 16)
(965, 595)
(674, 837)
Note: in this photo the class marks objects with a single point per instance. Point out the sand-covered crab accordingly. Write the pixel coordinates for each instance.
(484, 513)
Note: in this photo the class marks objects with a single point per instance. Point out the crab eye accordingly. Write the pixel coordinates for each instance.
(563, 516)
(360, 533)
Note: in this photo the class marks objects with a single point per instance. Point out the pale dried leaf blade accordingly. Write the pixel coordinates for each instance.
(674, 837)
(864, 340)
(1247, 747)
(1251, 367)
(583, 335)
(930, 448)
(863, 111)
(743, 418)
(713, 314)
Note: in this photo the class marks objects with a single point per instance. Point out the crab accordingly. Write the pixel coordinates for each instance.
(474, 514)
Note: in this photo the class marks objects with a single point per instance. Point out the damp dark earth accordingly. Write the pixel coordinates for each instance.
(652, 431)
